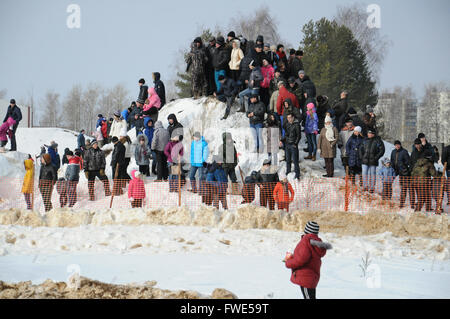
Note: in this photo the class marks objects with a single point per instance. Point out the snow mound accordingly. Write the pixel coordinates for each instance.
(245, 217)
(93, 289)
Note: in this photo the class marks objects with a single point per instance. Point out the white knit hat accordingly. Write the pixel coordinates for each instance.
(328, 119)
(358, 129)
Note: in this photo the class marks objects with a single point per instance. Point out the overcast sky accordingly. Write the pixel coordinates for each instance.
(121, 41)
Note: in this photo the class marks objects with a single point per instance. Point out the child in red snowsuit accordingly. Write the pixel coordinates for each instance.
(136, 189)
(306, 260)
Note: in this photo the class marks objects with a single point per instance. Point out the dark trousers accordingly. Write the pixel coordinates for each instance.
(329, 165)
(264, 94)
(91, 181)
(308, 293)
(406, 187)
(266, 196)
(291, 155)
(231, 174)
(234, 74)
(422, 190)
(161, 166)
(144, 169)
(387, 191)
(220, 195)
(228, 100)
(136, 203)
(13, 138)
(72, 192)
(353, 171)
(28, 200)
(46, 188)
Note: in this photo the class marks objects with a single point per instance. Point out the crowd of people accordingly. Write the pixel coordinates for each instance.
(274, 91)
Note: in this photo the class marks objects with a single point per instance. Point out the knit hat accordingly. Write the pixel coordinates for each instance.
(328, 119)
(386, 160)
(310, 106)
(99, 116)
(312, 228)
(53, 144)
(12, 101)
(114, 139)
(220, 40)
(421, 135)
(301, 72)
(231, 34)
(142, 81)
(417, 141)
(47, 158)
(260, 38)
(117, 113)
(198, 40)
(273, 47)
(358, 129)
(197, 134)
(94, 142)
(299, 53)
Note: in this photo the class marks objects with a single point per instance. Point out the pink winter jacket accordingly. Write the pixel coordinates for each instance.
(136, 187)
(154, 100)
(4, 128)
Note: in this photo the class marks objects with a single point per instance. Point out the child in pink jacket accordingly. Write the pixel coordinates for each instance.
(5, 131)
(136, 189)
(153, 100)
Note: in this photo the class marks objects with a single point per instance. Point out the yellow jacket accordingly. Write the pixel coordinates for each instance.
(27, 187)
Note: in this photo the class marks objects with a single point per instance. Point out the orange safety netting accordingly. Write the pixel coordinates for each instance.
(315, 194)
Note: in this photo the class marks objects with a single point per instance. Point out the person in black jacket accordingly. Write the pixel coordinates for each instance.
(209, 66)
(357, 121)
(175, 128)
(255, 113)
(14, 112)
(296, 64)
(94, 166)
(340, 109)
(322, 109)
(159, 88)
(196, 65)
(220, 59)
(248, 189)
(370, 152)
(47, 179)
(427, 147)
(227, 93)
(446, 159)
(118, 163)
(400, 162)
(143, 92)
(249, 56)
(290, 141)
(267, 179)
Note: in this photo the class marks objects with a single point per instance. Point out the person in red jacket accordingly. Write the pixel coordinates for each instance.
(136, 189)
(306, 260)
(282, 96)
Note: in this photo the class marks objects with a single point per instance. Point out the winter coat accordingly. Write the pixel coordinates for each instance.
(149, 131)
(322, 108)
(236, 57)
(229, 88)
(283, 95)
(387, 174)
(160, 137)
(143, 94)
(352, 150)
(81, 143)
(159, 87)
(249, 56)
(344, 136)
(199, 152)
(308, 87)
(94, 159)
(259, 110)
(73, 169)
(299, 93)
(295, 66)
(292, 132)
(446, 157)
(56, 160)
(327, 148)
(175, 126)
(229, 157)
(4, 128)
(312, 122)
(27, 186)
(268, 74)
(400, 162)
(125, 115)
(196, 60)
(273, 101)
(269, 175)
(142, 153)
(117, 127)
(118, 155)
(280, 195)
(371, 150)
(255, 79)
(220, 58)
(15, 113)
(429, 151)
(136, 187)
(423, 168)
(174, 151)
(340, 107)
(154, 100)
(416, 155)
(47, 173)
(99, 122)
(290, 110)
(306, 261)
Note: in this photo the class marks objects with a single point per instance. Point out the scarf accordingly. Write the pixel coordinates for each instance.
(329, 133)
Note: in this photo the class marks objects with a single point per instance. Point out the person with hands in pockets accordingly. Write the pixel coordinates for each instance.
(305, 262)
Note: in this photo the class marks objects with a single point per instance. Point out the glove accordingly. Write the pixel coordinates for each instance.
(102, 172)
(315, 132)
(86, 173)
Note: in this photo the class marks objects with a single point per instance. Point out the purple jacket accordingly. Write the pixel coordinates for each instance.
(312, 124)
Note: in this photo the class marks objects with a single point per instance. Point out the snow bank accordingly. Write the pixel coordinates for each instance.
(92, 289)
(245, 217)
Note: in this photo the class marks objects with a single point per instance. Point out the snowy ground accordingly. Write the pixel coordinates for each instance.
(248, 263)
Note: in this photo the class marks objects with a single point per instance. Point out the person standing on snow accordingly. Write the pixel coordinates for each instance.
(14, 112)
(159, 88)
(306, 260)
(136, 189)
(143, 92)
(94, 166)
(196, 64)
(199, 155)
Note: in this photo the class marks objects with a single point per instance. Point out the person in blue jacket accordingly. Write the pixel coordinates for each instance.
(199, 155)
(352, 151)
(149, 129)
(81, 142)
(387, 175)
(100, 120)
(53, 151)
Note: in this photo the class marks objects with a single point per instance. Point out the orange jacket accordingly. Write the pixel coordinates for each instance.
(280, 196)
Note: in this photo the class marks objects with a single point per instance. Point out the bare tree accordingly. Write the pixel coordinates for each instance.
(72, 118)
(89, 106)
(111, 100)
(52, 110)
(374, 44)
(259, 22)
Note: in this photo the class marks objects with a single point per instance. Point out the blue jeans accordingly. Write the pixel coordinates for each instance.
(291, 155)
(216, 78)
(369, 174)
(257, 135)
(312, 143)
(192, 173)
(246, 93)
